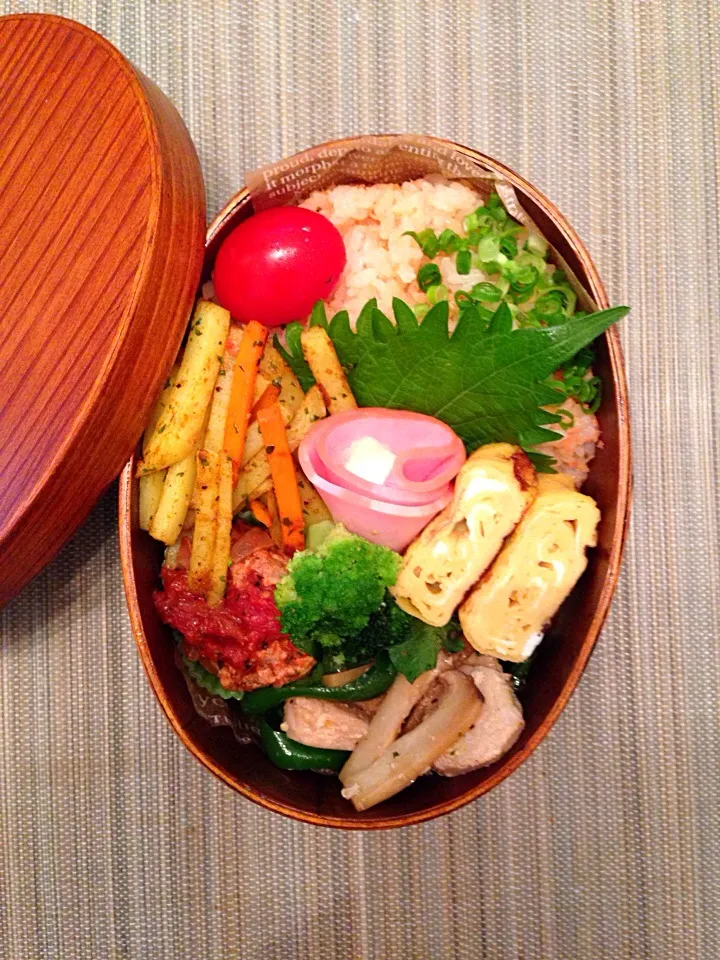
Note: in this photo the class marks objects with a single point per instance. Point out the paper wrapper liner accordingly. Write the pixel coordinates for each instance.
(387, 158)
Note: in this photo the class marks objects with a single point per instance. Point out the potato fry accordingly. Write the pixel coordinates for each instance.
(251, 478)
(167, 523)
(261, 385)
(313, 506)
(271, 366)
(151, 484)
(255, 473)
(275, 530)
(160, 406)
(206, 500)
(181, 421)
(290, 399)
(221, 558)
(260, 491)
(151, 487)
(320, 354)
(173, 514)
(215, 433)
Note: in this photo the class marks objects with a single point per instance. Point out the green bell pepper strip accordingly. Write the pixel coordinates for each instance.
(289, 754)
(370, 684)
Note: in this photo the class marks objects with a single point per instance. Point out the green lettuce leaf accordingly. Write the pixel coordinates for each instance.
(208, 681)
(419, 650)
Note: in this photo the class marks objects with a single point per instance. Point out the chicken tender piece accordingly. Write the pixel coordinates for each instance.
(328, 724)
(505, 615)
(497, 728)
(493, 490)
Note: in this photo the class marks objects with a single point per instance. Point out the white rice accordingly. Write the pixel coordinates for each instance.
(576, 449)
(381, 262)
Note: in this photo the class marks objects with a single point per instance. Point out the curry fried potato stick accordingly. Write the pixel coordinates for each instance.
(221, 558)
(322, 359)
(206, 501)
(181, 421)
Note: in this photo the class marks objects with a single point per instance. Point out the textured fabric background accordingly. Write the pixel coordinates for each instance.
(113, 841)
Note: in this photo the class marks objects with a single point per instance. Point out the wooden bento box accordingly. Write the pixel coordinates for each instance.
(561, 659)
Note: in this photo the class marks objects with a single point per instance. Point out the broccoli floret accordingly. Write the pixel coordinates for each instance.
(413, 645)
(329, 593)
(387, 626)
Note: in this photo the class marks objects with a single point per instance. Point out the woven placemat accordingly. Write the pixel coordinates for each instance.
(113, 841)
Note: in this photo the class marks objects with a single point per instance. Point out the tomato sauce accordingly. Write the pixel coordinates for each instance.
(241, 639)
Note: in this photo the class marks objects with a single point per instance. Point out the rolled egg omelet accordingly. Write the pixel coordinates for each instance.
(493, 490)
(505, 615)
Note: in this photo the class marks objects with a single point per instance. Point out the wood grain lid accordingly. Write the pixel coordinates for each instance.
(102, 222)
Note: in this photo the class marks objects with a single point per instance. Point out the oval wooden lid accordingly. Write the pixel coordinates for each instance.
(102, 222)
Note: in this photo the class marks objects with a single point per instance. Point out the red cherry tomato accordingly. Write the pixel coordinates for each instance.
(277, 264)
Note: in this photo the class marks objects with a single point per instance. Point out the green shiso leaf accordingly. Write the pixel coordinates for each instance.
(488, 383)
(292, 351)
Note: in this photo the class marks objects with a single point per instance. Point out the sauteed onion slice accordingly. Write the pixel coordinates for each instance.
(385, 725)
(412, 754)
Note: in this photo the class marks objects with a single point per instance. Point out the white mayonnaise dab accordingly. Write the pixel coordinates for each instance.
(370, 460)
(531, 643)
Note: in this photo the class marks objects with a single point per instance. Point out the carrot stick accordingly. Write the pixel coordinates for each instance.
(243, 389)
(261, 513)
(282, 470)
(268, 396)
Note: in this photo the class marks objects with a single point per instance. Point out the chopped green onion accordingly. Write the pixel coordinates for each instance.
(522, 296)
(522, 279)
(537, 244)
(449, 241)
(527, 259)
(426, 240)
(566, 296)
(462, 262)
(420, 309)
(487, 292)
(428, 275)
(488, 249)
(549, 304)
(567, 420)
(508, 246)
(436, 293)
(498, 212)
(503, 285)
